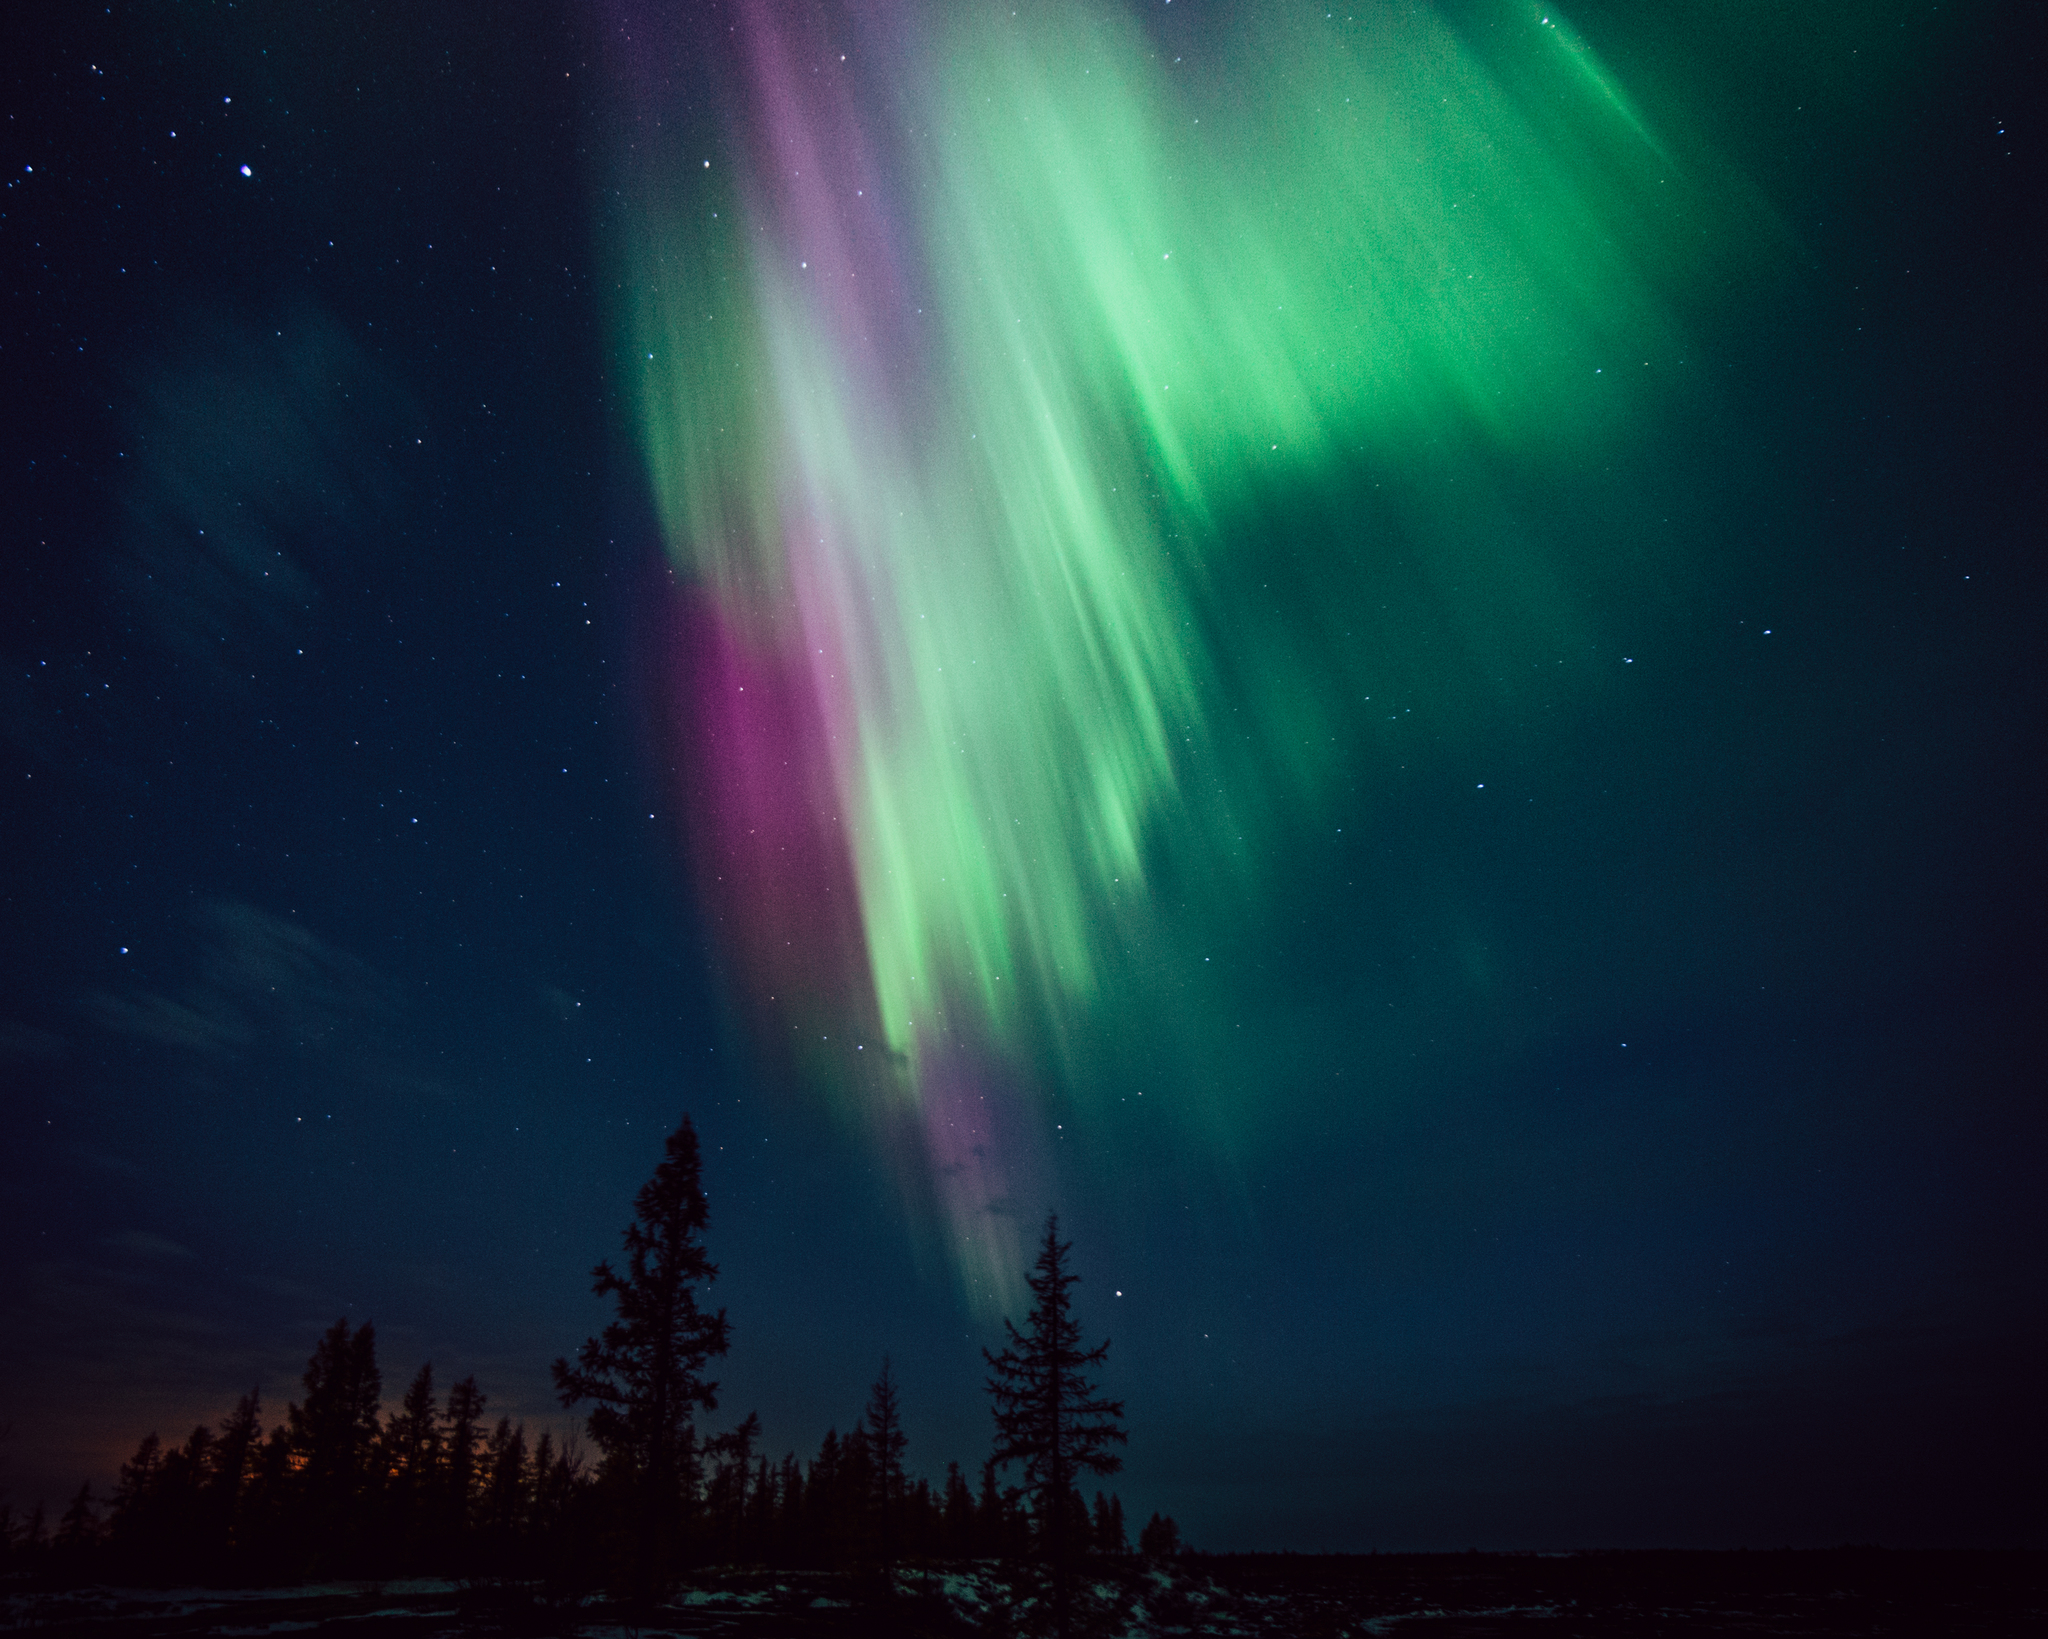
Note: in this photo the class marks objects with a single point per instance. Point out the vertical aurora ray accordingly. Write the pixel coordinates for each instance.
(958, 369)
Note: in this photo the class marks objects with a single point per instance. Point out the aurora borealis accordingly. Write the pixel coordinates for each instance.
(962, 370)
(1390, 655)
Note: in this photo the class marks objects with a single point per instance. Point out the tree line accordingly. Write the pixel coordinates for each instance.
(341, 1487)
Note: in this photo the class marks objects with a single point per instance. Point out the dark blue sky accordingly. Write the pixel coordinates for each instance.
(351, 966)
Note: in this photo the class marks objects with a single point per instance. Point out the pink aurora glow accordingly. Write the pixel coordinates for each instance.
(771, 685)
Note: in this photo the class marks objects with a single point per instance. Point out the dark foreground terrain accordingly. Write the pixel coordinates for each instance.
(1418, 1596)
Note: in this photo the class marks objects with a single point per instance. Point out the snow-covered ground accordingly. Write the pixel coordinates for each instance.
(1285, 1597)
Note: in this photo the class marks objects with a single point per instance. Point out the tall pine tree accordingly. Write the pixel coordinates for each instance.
(332, 1438)
(463, 1432)
(1048, 1416)
(886, 1444)
(644, 1374)
(235, 1455)
(410, 1460)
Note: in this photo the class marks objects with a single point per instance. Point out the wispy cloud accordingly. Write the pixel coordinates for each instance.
(197, 1026)
(143, 1243)
(262, 980)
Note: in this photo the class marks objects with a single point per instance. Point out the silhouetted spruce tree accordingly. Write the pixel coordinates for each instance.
(959, 1515)
(1109, 1526)
(1048, 1416)
(886, 1445)
(821, 1502)
(181, 1487)
(993, 1532)
(789, 1512)
(462, 1433)
(1080, 1535)
(409, 1457)
(763, 1514)
(726, 1496)
(853, 1501)
(645, 1372)
(138, 1475)
(332, 1437)
(503, 1499)
(265, 1524)
(162, 1523)
(135, 1522)
(75, 1553)
(235, 1455)
(1160, 1539)
(922, 1520)
(561, 1552)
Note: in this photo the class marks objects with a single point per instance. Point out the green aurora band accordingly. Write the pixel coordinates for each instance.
(961, 376)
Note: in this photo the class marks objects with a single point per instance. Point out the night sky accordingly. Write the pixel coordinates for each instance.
(1392, 657)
